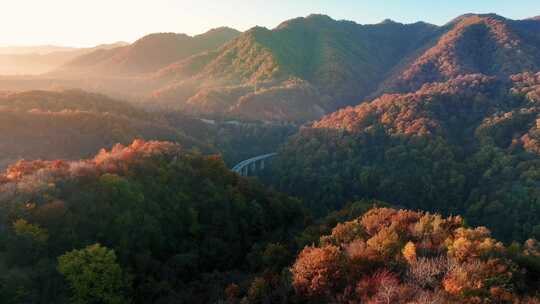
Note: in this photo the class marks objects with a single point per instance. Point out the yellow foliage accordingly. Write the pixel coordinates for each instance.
(409, 252)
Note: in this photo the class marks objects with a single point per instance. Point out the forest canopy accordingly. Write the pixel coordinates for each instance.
(402, 256)
(465, 146)
(171, 224)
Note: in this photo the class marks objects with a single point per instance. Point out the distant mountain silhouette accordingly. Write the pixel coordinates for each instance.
(36, 49)
(149, 53)
(33, 60)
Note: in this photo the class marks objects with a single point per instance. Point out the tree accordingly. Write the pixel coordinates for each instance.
(27, 243)
(94, 275)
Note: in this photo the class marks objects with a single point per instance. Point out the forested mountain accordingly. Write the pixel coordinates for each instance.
(468, 145)
(236, 141)
(298, 71)
(147, 54)
(487, 44)
(144, 223)
(74, 124)
(314, 65)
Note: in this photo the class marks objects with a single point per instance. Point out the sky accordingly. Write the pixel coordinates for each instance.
(84, 23)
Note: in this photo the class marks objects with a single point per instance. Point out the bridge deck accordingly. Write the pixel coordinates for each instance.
(241, 165)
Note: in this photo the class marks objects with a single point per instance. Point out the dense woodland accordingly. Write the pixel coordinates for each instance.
(391, 256)
(467, 146)
(168, 227)
(149, 222)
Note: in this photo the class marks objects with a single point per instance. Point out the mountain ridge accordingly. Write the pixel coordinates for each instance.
(305, 67)
(487, 44)
(347, 62)
(316, 49)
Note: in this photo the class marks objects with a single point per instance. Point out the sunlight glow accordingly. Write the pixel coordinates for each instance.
(87, 23)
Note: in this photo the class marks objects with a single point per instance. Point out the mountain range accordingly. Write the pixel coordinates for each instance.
(302, 69)
(37, 49)
(298, 71)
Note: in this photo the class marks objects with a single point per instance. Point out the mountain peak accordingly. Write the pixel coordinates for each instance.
(472, 43)
(151, 38)
(470, 16)
(222, 30)
(388, 21)
(319, 17)
(256, 31)
(313, 19)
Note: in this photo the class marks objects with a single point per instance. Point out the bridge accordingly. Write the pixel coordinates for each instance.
(253, 164)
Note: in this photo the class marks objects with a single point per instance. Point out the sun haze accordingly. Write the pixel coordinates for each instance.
(88, 23)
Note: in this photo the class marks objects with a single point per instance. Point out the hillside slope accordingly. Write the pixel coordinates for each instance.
(178, 225)
(73, 124)
(298, 71)
(487, 44)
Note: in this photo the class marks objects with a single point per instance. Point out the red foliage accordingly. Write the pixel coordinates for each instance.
(104, 162)
(419, 113)
(319, 271)
(410, 257)
(486, 44)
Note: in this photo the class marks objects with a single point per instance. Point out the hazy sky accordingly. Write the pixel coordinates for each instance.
(91, 22)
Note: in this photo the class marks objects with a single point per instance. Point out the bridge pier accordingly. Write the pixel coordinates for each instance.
(254, 167)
